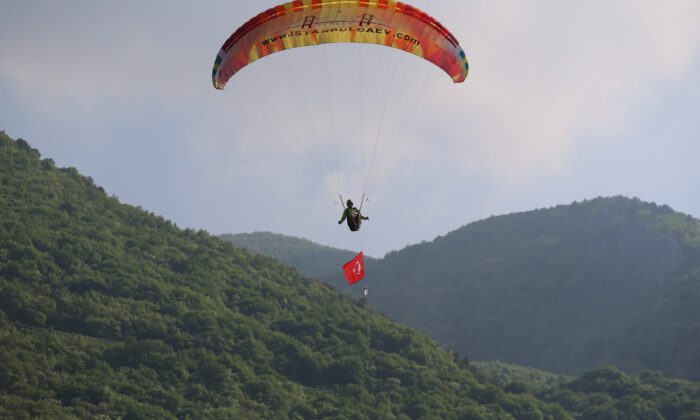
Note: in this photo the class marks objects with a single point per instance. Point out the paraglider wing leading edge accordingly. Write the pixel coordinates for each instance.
(304, 23)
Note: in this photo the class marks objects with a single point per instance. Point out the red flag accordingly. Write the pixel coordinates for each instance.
(355, 269)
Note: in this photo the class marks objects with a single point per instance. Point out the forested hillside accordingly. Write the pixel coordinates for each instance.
(108, 310)
(609, 281)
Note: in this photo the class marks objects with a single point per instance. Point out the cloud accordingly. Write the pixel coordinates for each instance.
(78, 57)
(549, 76)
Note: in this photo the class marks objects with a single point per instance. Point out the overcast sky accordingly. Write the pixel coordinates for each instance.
(565, 101)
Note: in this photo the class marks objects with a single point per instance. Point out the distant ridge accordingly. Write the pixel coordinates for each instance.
(311, 259)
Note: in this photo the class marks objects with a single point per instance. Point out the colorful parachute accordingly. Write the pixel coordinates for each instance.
(313, 22)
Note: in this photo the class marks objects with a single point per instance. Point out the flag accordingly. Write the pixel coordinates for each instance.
(355, 269)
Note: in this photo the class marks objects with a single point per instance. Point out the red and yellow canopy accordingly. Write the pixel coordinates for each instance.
(304, 23)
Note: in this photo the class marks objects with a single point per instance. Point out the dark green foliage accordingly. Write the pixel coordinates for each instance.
(109, 311)
(608, 393)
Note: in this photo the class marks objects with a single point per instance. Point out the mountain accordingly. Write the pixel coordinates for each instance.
(109, 311)
(608, 281)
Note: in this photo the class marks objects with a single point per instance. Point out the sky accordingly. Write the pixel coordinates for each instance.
(565, 101)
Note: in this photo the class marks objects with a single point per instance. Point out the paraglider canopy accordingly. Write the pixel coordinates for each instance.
(304, 23)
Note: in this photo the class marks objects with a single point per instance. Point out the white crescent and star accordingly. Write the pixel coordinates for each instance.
(357, 269)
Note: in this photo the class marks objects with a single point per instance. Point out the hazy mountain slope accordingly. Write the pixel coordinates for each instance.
(511, 376)
(311, 259)
(108, 310)
(306, 256)
(606, 281)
